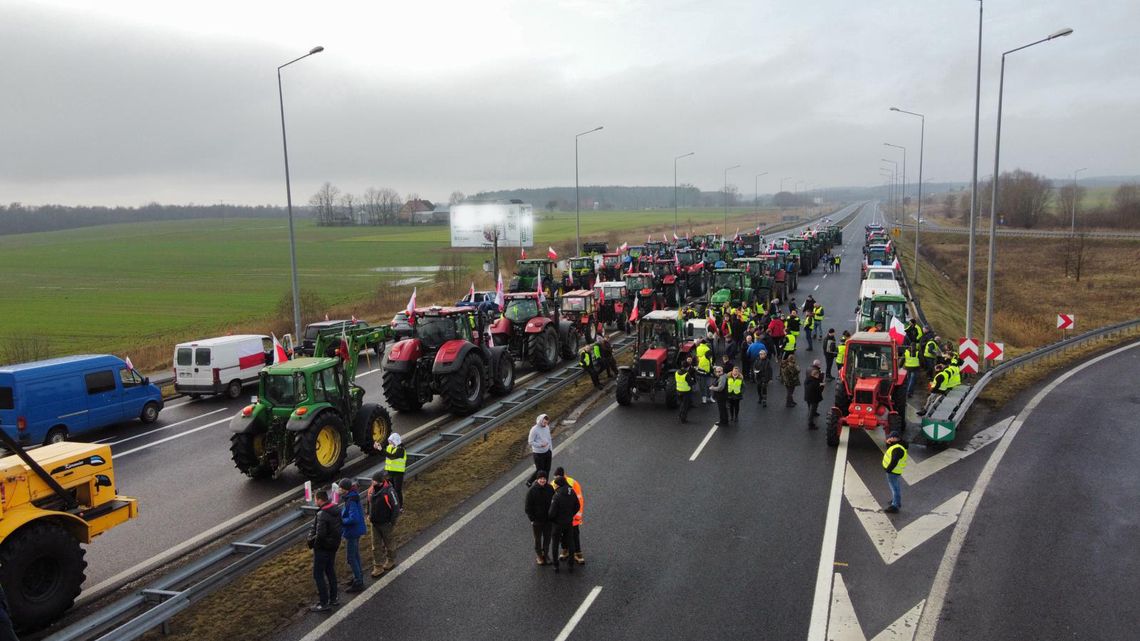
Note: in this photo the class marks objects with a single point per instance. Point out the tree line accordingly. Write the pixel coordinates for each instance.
(17, 218)
(1030, 200)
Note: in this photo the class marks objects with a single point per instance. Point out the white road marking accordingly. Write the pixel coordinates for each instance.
(893, 544)
(170, 438)
(511, 485)
(918, 470)
(844, 624)
(928, 623)
(816, 288)
(704, 442)
(817, 631)
(170, 407)
(573, 622)
(159, 429)
(371, 371)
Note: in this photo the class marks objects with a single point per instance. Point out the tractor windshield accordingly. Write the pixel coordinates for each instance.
(868, 361)
(713, 256)
(521, 309)
(727, 281)
(687, 258)
(877, 256)
(638, 283)
(574, 304)
(880, 311)
(582, 265)
(434, 331)
(613, 293)
(611, 261)
(284, 390)
(526, 269)
(658, 334)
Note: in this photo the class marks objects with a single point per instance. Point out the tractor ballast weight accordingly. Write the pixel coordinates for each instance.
(871, 390)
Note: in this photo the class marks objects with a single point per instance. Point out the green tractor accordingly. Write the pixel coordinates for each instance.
(836, 234)
(730, 286)
(309, 410)
(527, 272)
(761, 279)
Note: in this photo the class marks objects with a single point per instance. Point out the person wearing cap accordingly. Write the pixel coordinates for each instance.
(564, 506)
(572, 538)
(395, 463)
(383, 510)
(323, 540)
(538, 511)
(541, 444)
(352, 528)
(894, 462)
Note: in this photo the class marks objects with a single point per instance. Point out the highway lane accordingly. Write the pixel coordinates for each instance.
(726, 545)
(1052, 552)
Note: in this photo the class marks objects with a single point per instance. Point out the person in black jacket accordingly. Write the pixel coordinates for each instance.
(324, 539)
(563, 506)
(538, 511)
(762, 372)
(383, 510)
(813, 394)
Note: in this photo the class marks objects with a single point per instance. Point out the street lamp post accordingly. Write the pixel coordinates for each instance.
(994, 185)
(289, 199)
(918, 216)
(756, 196)
(675, 188)
(727, 169)
(902, 198)
(577, 200)
(894, 186)
(1075, 173)
(974, 186)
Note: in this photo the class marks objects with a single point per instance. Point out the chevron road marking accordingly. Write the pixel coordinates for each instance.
(916, 471)
(893, 544)
(843, 624)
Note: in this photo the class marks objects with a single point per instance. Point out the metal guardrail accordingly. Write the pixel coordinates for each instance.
(1027, 233)
(184, 586)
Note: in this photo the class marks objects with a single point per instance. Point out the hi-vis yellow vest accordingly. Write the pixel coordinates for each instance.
(682, 382)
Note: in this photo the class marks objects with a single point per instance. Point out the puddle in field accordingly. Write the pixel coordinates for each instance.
(411, 281)
(416, 269)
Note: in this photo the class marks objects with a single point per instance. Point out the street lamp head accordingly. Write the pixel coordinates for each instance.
(1062, 33)
(316, 49)
(895, 109)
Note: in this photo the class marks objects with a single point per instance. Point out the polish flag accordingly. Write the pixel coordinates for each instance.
(279, 355)
(411, 308)
(665, 239)
(471, 292)
(648, 239)
(326, 316)
(675, 237)
(787, 247)
(636, 313)
(897, 330)
(551, 254)
(344, 351)
(541, 296)
(624, 246)
(601, 296)
(896, 265)
(522, 253)
(130, 365)
(354, 321)
(677, 260)
(631, 263)
(499, 293)
(710, 322)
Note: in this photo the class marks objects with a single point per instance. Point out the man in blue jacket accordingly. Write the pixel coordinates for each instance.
(352, 528)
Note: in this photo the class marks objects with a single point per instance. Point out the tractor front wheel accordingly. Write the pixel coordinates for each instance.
(247, 450)
(833, 427)
(371, 428)
(41, 568)
(543, 349)
(321, 448)
(463, 389)
(400, 393)
(504, 379)
(671, 398)
(623, 388)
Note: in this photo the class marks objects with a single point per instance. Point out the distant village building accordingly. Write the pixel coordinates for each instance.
(412, 207)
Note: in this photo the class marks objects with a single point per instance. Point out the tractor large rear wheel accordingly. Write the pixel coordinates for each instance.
(543, 349)
(571, 342)
(463, 390)
(833, 427)
(400, 393)
(624, 388)
(246, 450)
(321, 448)
(504, 379)
(671, 398)
(371, 428)
(41, 568)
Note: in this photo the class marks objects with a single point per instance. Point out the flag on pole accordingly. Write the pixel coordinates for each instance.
(279, 355)
(896, 265)
(624, 246)
(471, 292)
(410, 310)
(551, 254)
(601, 296)
(130, 365)
(897, 330)
(664, 238)
(541, 295)
(354, 321)
(522, 253)
(499, 293)
(636, 313)
(344, 351)
(675, 237)
(326, 317)
(710, 322)
(648, 239)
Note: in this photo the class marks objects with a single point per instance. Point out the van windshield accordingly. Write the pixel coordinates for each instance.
(184, 356)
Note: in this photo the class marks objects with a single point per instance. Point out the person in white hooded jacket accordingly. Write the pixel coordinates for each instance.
(541, 445)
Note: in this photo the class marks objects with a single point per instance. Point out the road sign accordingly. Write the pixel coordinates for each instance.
(1066, 321)
(995, 351)
(968, 350)
(895, 232)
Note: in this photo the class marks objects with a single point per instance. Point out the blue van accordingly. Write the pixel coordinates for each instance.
(54, 400)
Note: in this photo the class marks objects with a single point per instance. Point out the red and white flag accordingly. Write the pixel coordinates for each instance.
(499, 293)
(897, 330)
(896, 265)
(279, 354)
(636, 313)
(675, 237)
(677, 260)
(624, 246)
(130, 365)
(522, 253)
(471, 292)
(631, 264)
(344, 351)
(410, 310)
(787, 247)
(326, 316)
(354, 321)
(664, 238)
(648, 239)
(551, 254)
(541, 295)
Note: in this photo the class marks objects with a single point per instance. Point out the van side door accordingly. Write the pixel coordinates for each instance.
(104, 399)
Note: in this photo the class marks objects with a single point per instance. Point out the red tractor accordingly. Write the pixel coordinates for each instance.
(531, 329)
(611, 266)
(580, 310)
(661, 348)
(871, 390)
(641, 288)
(692, 270)
(612, 306)
(668, 283)
(447, 354)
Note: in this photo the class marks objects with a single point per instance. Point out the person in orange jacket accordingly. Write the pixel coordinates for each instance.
(575, 533)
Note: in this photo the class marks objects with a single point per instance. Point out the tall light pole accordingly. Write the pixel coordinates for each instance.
(974, 187)
(675, 188)
(894, 185)
(994, 185)
(902, 199)
(1075, 173)
(289, 199)
(726, 170)
(918, 216)
(782, 181)
(756, 196)
(577, 200)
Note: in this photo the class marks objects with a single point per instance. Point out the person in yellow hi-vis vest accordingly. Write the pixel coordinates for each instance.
(396, 463)
(894, 462)
(684, 379)
(735, 393)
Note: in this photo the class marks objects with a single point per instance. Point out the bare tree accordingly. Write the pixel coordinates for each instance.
(324, 203)
(348, 207)
(1068, 198)
(948, 205)
(373, 206)
(964, 206)
(1127, 201)
(390, 202)
(1023, 197)
(456, 197)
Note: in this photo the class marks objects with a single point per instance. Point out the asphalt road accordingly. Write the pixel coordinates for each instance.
(723, 546)
(1052, 551)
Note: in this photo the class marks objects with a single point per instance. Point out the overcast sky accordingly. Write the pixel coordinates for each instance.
(128, 101)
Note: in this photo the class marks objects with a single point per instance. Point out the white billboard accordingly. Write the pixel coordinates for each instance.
(473, 224)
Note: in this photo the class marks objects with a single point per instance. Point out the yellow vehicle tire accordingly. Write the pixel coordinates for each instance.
(371, 428)
(321, 448)
(247, 451)
(41, 569)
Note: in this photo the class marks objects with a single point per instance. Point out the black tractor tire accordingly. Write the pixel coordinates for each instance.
(233, 389)
(896, 423)
(571, 341)
(41, 568)
(671, 399)
(194, 397)
(503, 381)
(321, 448)
(543, 349)
(57, 434)
(592, 331)
(371, 428)
(833, 427)
(623, 388)
(842, 400)
(463, 390)
(149, 413)
(245, 452)
(399, 393)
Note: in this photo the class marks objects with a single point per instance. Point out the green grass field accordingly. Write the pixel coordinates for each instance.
(118, 288)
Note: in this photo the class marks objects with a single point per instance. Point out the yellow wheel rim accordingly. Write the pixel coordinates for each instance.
(379, 431)
(328, 446)
(258, 445)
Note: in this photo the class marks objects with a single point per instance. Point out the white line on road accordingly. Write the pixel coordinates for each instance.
(170, 407)
(816, 287)
(159, 429)
(171, 438)
(928, 624)
(511, 485)
(818, 629)
(700, 447)
(371, 371)
(581, 612)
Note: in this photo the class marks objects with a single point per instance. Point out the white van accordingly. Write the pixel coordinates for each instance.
(222, 365)
(873, 286)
